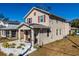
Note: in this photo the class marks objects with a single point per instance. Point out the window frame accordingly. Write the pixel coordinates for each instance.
(60, 31)
(34, 13)
(56, 31)
(7, 33)
(13, 33)
(29, 20)
(41, 18)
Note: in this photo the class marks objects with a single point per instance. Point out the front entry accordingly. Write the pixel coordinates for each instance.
(21, 34)
(26, 35)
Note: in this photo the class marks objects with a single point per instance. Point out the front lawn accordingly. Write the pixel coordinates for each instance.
(62, 47)
(14, 48)
(4, 39)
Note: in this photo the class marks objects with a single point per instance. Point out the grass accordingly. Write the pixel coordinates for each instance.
(4, 39)
(62, 47)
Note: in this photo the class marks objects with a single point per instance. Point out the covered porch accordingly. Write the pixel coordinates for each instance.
(31, 33)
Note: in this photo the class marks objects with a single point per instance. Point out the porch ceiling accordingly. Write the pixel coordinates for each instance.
(30, 26)
(38, 26)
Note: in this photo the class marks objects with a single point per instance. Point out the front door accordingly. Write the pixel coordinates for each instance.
(26, 35)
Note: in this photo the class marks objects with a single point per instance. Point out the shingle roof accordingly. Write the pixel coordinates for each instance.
(10, 21)
(10, 27)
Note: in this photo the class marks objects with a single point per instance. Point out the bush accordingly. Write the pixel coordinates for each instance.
(11, 54)
(19, 46)
(6, 45)
(73, 34)
(12, 45)
(22, 48)
(22, 44)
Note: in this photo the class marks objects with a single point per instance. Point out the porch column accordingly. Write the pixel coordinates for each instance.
(1, 33)
(32, 37)
(19, 35)
(24, 36)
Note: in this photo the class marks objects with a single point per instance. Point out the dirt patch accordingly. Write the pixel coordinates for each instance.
(62, 47)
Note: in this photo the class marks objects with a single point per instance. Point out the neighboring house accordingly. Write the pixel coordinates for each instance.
(42, 27)
(9, 29)
(74, 30)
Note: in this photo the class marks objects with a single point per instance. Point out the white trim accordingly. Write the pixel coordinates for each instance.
(24, 35)
(19, 34)
(32, 37)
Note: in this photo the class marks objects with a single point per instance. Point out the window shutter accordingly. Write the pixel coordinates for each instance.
(38, 19)
(44, 18)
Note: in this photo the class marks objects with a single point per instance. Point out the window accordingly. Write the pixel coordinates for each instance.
(34, 13)
(42, 18)
(60, 31)
(48, 30)
(7, 33)
(13, 33)
(29, 20)
(4, 33)
(56, 31)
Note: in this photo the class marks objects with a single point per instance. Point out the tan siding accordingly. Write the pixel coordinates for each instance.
(35, 18)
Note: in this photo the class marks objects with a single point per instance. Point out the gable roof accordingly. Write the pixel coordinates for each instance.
(10, 21)
(33, 25)
(52, 16)
(25, 25)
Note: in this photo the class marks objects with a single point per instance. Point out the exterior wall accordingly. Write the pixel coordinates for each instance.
(43, 39)
(35, 18)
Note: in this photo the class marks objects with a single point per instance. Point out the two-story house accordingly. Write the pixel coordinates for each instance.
(42, 27)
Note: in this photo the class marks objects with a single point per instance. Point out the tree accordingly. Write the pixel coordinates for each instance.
(75, 23)
(2, 17)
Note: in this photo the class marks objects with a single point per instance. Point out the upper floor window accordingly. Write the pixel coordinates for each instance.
(42, 18)
(29, 20)
(34, 13)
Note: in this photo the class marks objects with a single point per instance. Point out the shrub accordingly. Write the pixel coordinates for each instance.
(73, 34)
(11, 54)
(12, 45)
(22, 48)
(19, 46)
(6, 45)
(22, 44)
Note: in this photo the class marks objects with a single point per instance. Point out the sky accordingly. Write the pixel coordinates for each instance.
(16, 11)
